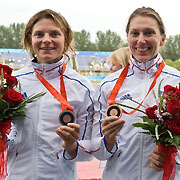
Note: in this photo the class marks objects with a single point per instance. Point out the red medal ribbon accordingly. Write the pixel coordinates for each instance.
(170, 153)
(61, 97)
(5, 128)
(120, 81)
(118, 85)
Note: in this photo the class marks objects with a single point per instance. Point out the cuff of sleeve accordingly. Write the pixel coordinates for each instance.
(66, 156)
(114, 149)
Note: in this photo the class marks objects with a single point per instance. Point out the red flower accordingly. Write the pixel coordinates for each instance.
(173, 106)
(169, 89)
(13, 97)
(174, 126)
(150, 112)
(11, 80)
(172, 92)
(6, 69)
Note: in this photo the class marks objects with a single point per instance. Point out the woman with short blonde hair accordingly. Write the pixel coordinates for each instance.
(119, 58)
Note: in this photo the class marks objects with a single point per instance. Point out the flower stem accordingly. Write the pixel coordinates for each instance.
(130, 107)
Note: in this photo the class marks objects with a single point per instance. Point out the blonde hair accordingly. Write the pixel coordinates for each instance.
(59, 20)
(120, 56)
(147, 12)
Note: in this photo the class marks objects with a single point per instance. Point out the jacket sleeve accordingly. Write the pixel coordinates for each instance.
(98, 142)
(177, 175)
(11, 138)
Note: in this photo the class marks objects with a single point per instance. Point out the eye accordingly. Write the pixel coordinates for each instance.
(38, 34)
(134, 33)
(55, 34)
(148, 33)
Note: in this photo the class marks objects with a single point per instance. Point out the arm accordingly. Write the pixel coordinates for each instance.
(77, 136)
(104, 129)
(85, 120)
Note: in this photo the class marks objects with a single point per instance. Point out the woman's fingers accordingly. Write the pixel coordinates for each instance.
(109, 120)
(157, 160)
(69, 132)
(110, 127)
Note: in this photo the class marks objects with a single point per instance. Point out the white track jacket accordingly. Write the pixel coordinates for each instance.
(129, 158)
(35, 151)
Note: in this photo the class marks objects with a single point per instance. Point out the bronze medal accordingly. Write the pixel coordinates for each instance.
(114, 110)
(66, 117)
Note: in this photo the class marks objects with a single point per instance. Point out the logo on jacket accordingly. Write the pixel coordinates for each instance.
(24, 95)
(125, 97)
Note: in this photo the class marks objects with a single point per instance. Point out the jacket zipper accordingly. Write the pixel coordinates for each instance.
(147, 84)
(35, 148)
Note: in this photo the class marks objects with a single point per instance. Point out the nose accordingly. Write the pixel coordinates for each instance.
(46, 38)
(141, 38)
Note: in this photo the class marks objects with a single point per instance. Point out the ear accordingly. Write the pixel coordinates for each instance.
(163, 38)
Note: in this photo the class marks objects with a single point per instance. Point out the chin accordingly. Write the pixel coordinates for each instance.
(142, 59)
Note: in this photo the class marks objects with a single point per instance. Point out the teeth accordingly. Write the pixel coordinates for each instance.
(47, 48)
(142, 49)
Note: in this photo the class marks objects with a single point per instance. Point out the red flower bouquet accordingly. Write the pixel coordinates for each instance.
(162, 122)
(12, 104)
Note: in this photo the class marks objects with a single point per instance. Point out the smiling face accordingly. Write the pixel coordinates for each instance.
(47, 41)
(144, 38)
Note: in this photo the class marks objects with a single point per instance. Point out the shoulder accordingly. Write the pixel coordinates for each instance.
(75, 78)
(170, 76)
(111, 78)
(171, 71)
(106, 86)
(23, 71)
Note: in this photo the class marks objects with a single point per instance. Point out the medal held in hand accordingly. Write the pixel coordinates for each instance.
(66, 116)
(114, 110)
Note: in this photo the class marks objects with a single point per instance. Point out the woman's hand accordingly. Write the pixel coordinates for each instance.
(110, 127)
(157, 160)
(69, 135)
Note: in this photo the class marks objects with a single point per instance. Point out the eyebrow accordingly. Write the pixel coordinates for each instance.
(143, 29)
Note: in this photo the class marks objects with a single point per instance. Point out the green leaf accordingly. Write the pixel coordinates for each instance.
(143, 125)
(150, 126)
(146, 119)
(154, 94)
(2, 79)
(19, 86)
(3, 105)
(170, 134)
(159, 89)
(175, 141)
(156, 131)
(33, 98)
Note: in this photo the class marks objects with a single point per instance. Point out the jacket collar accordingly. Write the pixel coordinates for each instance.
(49, 71)
(146, 66)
